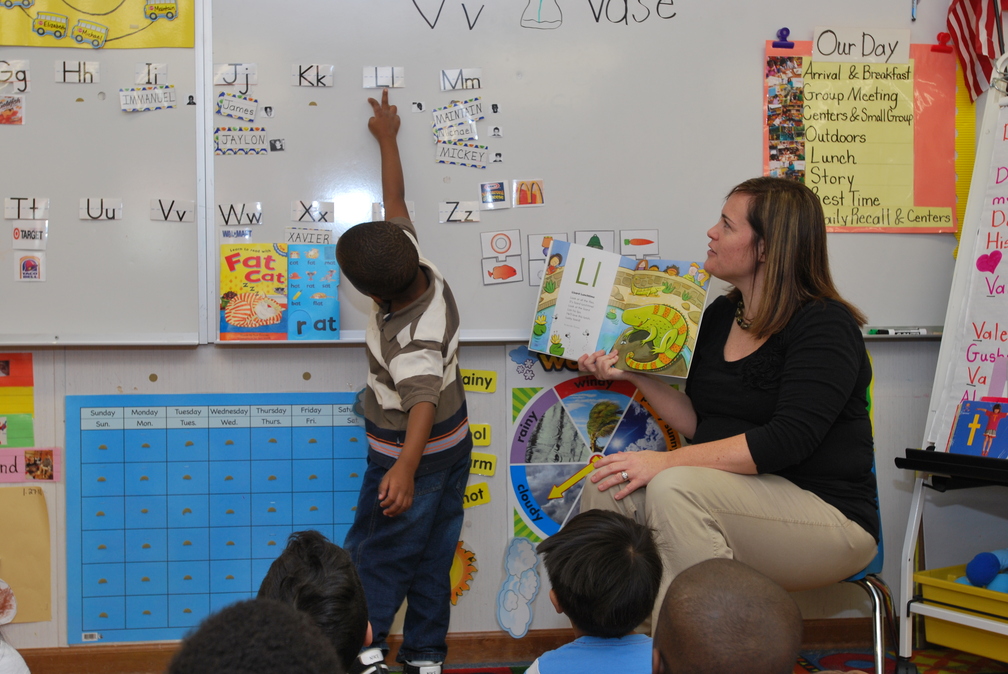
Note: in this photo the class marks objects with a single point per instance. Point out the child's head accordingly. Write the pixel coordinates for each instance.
(379, 259)
(257, 636)
(605, 571)
(318, 578)
(721, 612)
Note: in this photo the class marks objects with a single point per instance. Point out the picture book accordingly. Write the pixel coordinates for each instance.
(648, 310)
(312, 281)
(253, 287)
(978, 429)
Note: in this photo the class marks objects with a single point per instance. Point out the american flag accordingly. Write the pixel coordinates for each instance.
(972, 25)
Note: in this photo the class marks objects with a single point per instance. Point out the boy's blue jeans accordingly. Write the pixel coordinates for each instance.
(410, 556)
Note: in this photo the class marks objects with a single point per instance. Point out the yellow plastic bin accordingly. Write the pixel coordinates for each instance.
(939, 587)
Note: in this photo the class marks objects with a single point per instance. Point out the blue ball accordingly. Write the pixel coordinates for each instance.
(983, 568)
(963, 580)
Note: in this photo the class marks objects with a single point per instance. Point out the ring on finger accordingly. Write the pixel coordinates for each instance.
(624, 476)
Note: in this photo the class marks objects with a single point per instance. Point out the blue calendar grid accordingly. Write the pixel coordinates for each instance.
(178, 504)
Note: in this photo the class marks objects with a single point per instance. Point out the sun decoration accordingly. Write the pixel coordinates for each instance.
(462, 570)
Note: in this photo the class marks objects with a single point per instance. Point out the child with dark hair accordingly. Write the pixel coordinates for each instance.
(257, 636)
(409, 512)
(720, 613)
(317, 577)
(605, 571)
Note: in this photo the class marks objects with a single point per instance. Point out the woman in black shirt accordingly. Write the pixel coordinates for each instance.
(779, 472)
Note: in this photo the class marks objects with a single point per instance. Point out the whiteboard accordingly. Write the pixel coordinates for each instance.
(125, 281)
(639, 124)
(635, 114)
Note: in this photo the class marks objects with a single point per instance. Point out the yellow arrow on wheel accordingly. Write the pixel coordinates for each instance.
(558, 490)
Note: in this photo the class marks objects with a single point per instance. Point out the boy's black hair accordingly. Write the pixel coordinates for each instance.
(605, 570)
(317, 577)
(256, 636)
(378, 258)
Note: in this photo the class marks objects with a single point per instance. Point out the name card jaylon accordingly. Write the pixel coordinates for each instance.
(240, 140)
(92, 208)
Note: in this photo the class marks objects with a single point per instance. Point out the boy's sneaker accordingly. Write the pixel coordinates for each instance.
(422, 667)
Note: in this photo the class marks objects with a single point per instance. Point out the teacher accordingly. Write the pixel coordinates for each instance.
(779, 472)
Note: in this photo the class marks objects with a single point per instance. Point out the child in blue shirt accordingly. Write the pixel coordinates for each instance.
(605, 571)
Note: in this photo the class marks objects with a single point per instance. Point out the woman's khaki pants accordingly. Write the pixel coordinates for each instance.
(784, 532)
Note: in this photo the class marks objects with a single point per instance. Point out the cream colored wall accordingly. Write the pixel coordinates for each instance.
(903, 376)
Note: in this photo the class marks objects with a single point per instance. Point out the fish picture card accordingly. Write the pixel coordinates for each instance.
(30, 234)
(145, 99)
(494, 196)
(382, 77)
(15, 77)
(100, 208)
(173, 210)
(527, 193)
(26, 208)
(459, 211)
(313, 75)
(638, 242)
(12, 110)
(508, 270)
(239, 107)
(240, 140)
(501, 244)
(462, 154)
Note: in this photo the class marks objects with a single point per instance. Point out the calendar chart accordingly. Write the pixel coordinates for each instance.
(178, 504)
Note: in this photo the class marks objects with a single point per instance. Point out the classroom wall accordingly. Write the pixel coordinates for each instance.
(903, 376)
(957, 526)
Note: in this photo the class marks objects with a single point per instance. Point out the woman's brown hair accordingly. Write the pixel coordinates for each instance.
(788, 219)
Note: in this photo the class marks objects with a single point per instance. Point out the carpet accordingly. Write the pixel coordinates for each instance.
(927, 660)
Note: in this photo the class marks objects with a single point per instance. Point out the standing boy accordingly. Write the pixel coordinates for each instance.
(409, 512)
(605, 570)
